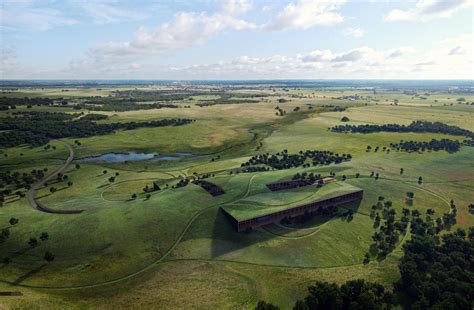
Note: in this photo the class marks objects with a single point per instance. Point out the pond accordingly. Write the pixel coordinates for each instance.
(124, 157)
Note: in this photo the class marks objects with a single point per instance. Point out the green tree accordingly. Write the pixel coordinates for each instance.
(44, 236)
(48, 256)
(323, 295)
(262, 305)
(33, 242)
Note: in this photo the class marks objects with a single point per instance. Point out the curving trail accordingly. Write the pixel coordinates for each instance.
(162, 259)
(39, 184)
(146, 268)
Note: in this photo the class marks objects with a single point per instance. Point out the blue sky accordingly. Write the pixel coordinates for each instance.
(236, 39)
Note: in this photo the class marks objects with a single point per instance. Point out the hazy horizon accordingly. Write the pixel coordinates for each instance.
(236, 40)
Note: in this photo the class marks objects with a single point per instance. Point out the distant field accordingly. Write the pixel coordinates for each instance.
(175, 247)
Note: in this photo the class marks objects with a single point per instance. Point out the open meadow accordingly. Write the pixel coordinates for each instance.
(136, 229)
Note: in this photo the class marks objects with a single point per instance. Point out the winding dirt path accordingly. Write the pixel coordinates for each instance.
(41, 183)
(163, 260)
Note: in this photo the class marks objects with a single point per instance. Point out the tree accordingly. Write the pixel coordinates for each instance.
(78, 166)
(4, 234)
(402, 170)
(323, 295)
(48, 256)
(69, 183)
(344, 119)
(357, 175)
(104, 172)
(52, 189)
(13, 221)
(33, 242)
(134, 196)
(112, 179)
(44, 236)
(366, 258)
(300, 305)
(262, 305)
(420, 180)
(148, 196)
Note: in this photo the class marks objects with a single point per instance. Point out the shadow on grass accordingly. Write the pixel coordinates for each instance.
(28, 275)
(225, 238)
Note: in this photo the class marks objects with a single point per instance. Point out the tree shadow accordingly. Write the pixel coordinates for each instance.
(28, 275)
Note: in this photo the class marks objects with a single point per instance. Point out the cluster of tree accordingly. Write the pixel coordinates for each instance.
(137, 95)
(38, 128)
(450, 146)
(387, 236)
(280, 111)
(255, 169)
(415, 126)
(284, 160)
(437, 274)
(307, 176)
(181, 183)
(354, 294)
(123, 105)
(13, 182)
(11, 103)
(225, 100)
(5, 232)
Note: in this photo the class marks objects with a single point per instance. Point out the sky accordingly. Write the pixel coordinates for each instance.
(236, 39)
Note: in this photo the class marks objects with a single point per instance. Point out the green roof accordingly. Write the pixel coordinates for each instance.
(268, 202)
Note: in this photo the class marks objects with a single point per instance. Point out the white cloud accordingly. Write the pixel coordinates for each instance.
(354, 32)
(456, 51)
(426, 10)
(304, 14)
(104, 12)
(26, 16)
(235, 7)
(401, 51)
(358, 63)
(184, 31)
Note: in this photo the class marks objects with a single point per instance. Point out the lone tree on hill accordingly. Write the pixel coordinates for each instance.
(345, 119)
(44, 236)
(48, 256)
(13, 221)
(33, 242)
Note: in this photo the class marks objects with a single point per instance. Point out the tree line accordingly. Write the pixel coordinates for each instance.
(37, 128)
(415, 126)
(450, 146)
(284, 160)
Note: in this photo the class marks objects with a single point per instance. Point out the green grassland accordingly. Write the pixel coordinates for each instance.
(175, 248)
